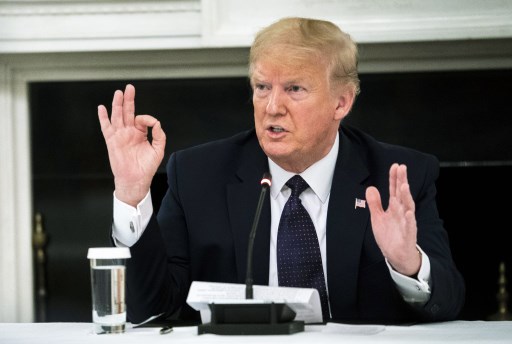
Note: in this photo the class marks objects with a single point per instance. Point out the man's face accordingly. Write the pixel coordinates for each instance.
(296, 113)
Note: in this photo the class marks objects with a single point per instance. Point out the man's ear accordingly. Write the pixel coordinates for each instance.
(344, 102)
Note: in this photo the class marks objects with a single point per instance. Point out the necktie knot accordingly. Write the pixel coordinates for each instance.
(297, 184)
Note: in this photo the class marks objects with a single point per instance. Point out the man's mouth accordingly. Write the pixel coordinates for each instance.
(277, 129)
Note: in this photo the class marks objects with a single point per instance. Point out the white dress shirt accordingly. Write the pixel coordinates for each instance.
(129, 222)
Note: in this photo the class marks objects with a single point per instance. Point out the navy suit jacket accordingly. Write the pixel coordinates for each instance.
(202, 229)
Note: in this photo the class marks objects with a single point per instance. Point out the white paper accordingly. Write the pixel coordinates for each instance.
(304, 301)
(130, 325)
(353, 329)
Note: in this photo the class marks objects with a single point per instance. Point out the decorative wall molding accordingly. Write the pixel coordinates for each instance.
(70, 7)
(233, 23)
(36, 26)
(7, 211)
(113, 25)
(16, 284)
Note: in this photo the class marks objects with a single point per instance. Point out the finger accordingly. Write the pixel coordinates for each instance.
(412, 229)
(159, 138)
(402, 174)
(401, 182)
(142, 122)
(406, 197)
(374, 201)
(392, 180)
(103, 118)
(129, 105)
(117, 110)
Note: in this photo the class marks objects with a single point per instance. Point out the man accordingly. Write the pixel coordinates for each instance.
(383, 252)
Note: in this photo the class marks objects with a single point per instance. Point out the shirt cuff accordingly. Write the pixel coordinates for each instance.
(414, 290)
(130, 222)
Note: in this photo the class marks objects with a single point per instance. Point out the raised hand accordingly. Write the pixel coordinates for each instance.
(133, 159)
(395, 228)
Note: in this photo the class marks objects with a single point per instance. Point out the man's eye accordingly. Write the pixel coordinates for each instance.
(295, 88)
(260, 87)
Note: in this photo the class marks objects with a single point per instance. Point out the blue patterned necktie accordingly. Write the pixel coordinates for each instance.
(299, 262)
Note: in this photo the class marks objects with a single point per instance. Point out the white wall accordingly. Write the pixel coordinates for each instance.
(83, 40)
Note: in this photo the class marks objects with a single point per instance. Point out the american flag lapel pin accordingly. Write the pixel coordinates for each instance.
(361, 203)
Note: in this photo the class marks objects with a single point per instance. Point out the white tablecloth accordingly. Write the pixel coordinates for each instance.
(454, 332)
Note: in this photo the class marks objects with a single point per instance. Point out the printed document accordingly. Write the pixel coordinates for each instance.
(304, 301)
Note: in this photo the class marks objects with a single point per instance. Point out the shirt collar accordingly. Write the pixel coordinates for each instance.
(318, 176)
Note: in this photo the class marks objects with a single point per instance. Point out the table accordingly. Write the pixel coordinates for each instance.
(452, 332)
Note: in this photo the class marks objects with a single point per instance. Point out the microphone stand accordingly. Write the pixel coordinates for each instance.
(252, 318)
(265, 184)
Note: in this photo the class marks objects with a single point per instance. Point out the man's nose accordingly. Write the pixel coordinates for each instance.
(275, 104)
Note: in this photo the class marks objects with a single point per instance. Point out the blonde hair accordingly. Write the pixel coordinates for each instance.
(311, 39)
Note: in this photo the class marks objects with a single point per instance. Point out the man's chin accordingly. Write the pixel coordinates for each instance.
(276, 150)
(284, 159)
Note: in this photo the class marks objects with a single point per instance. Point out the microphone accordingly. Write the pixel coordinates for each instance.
(251, 317)
(266, 181)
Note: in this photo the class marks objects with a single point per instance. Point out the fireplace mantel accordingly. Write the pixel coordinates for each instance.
(110, 40)
(112, 25)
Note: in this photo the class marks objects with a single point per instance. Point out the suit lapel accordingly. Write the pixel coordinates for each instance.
(242, 199)
(346, 227)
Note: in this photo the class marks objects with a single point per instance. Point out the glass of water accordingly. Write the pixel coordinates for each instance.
(108, 273)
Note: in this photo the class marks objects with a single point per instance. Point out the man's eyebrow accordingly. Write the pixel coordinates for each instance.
(295, 81)
(286, 82)
(254, 76)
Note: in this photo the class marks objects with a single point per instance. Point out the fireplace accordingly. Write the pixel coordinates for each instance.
(460, 116)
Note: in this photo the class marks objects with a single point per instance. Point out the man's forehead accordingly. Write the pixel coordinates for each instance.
(289, 71)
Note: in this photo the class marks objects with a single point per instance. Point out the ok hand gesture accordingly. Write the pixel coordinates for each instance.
(133, 159)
